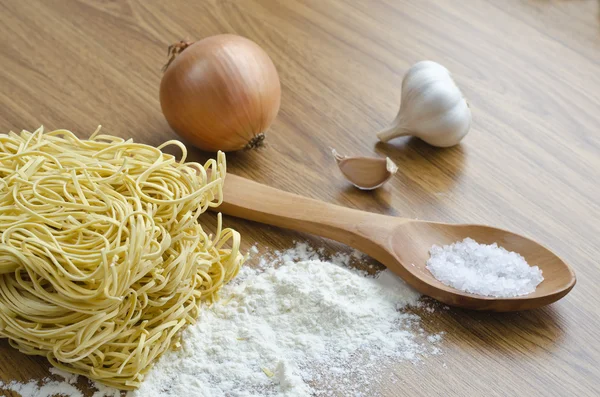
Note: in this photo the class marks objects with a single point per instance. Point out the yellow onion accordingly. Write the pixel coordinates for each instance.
(220, 93)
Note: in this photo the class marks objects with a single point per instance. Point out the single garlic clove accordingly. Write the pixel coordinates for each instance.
(366, 173)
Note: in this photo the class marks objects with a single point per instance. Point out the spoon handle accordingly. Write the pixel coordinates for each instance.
(365, 231)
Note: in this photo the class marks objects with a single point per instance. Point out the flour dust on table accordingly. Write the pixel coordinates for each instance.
(294, 325)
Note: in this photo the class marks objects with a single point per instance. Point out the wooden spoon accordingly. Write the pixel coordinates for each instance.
(400, 244)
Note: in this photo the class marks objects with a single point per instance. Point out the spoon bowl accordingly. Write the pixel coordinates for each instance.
(401, 244)
(412, 240)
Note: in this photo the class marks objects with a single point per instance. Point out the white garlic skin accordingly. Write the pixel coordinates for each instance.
(366, 173)
(432, 107)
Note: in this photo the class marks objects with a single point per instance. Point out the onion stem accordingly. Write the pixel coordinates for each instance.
(256, 142)
(175, 49)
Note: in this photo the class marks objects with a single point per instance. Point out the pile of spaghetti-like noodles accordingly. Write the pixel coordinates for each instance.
(102, 257)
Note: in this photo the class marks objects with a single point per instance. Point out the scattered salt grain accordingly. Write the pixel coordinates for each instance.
(483, 269)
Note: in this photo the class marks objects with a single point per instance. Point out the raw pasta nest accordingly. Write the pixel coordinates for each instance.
(102, 258)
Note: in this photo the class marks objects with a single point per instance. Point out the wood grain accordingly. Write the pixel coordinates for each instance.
(531, 163)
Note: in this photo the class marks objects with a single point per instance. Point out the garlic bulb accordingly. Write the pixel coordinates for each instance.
(366, 173)
(432, 107)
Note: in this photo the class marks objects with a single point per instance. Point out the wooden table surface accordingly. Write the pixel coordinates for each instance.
(531, 163)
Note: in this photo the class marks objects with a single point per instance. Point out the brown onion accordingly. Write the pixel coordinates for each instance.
(220, 93)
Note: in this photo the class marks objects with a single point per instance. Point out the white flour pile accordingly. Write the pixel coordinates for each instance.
(483, 269)
(305, 328)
